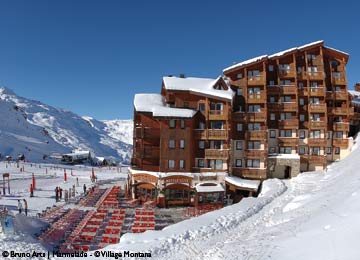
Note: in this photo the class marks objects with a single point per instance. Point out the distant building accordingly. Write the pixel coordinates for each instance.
(270, 116)
(76, 157)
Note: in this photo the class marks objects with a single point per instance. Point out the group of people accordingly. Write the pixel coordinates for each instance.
(21, 206)
(67, 193)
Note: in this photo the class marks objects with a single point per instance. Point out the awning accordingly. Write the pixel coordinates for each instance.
(206, 188)
(241, 183)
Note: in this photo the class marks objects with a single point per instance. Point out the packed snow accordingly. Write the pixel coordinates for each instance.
(36, 130)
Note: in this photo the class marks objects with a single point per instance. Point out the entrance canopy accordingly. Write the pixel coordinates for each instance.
(209, 188)
(242, 184)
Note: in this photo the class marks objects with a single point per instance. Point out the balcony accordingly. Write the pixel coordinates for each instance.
(318, 75)
(338, 110)
(200, 134)
(289, 124)
(342, 143)
(238, 116)
(288, 90)
(256, 135)
(317, 108)
(288, 106)
(217, 134)
(303, 91)
(287, 73)
(216, 154)
(147, 133)
(256, 116)
(341, 126)
(256, 98)
(313, 159)
(252, 153)
(317, 124)
(256, 80)
(319, 142)
(317, 92)
(288, 141)
(272, 90)
(218, 115)
(341, 95)
(351, 111)
(251, 173)
(338, 78)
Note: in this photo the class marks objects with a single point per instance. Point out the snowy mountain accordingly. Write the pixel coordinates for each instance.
(35, 129)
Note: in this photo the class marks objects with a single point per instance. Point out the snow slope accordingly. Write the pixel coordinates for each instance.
(121, 130)
(35, 129)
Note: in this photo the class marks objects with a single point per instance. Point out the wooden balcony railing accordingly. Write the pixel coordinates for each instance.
(289, 124)
(256, 135)
(317, 108)
(288, 141)
(321, 142)
(342, 143)
(218, 115)
(341, 95)
(216, 154)
(284, 73)
(313, 159)
(303, 91)
(250, 153)
(351, 111)
(200, 134)
(256, 116)
(146, 133)
(238, 116)
(256, 98)
(217, 134)
(338, 110)
(288, 90)
(250, 173)
(288, 106)
(318, 75)
(256, 80)
(316, 92)
(317, 124)
(341, 126)
(338, 78)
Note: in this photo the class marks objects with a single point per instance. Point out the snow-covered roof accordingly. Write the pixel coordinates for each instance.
(202, 86)
(155, 104)
(333, 49)
(356, 101)
(354, 93)
(285, 156)
(243, 183)
(275, 55)
(205, 187)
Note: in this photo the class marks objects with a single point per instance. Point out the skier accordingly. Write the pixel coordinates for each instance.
(77, 182)
(19, 206)
(84, 189)
(25, 207)
(56, 194)
(60, 192)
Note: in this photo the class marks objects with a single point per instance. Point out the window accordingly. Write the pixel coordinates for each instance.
(285, 133)
(239, 145)
(253, 91)
(285, 99)
(216, 144)
(337, 88)
(301, 150)
(272, 150)
(254, 126)
(217, 106)
(328, 150)
(301, 84)
(302, 134)
(328, 135)
(272, 83)
(272, 99)
(201, 125)
(302, 117)
(201, 144)
(253, 163)
(271, 67)
(315, 117)
(172, 123)
(272, 134)
(284, 67)
(200, 163)
(310, 57)
(238, 163)
(314, 84)
(171, 143)
(299, 70)
(254, 108)
(182, 124)
(272, 116)
(202, 106)
(239, 92)
(301, 101)
(216, 164)
(286, 150)
(338, 134)
(337, 150)
(216, 124)
(254, 145)
(239, 75)
(182, 164)
(253, 73)
(285, 82)
(182, 144)
(315, 134)
(171, 164)
(285, 116)
(315, 150)
(239, 127)
(315, 101)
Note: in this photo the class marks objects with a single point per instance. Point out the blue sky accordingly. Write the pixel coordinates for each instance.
(91, 57)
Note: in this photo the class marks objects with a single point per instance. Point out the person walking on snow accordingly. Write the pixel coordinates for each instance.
(84, 188)
(25, 207)
(19, 206)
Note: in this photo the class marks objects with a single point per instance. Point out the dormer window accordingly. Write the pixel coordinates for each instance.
(239, 76)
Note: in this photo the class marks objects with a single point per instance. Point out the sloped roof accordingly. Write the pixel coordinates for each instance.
(155, 104)
(202, 86)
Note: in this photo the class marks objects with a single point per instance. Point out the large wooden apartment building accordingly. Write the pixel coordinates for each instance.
(270, 116)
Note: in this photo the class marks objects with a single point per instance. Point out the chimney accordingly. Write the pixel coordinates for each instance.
(182, 75)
